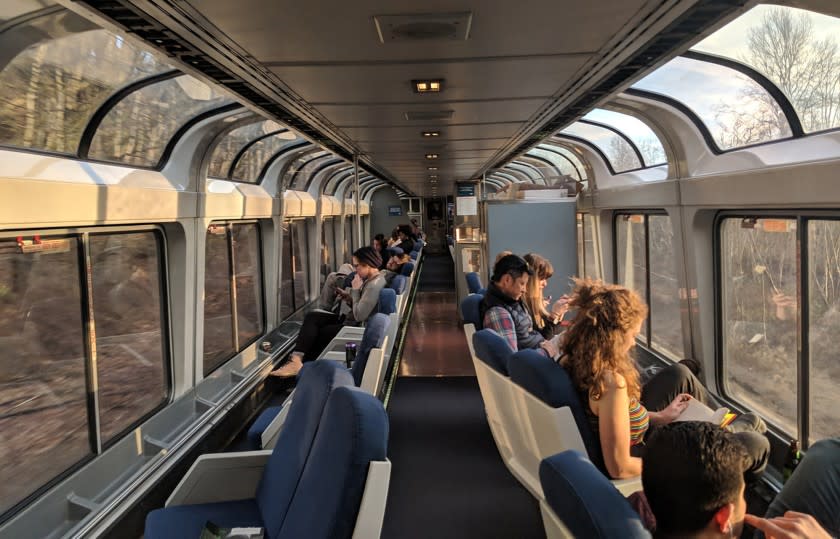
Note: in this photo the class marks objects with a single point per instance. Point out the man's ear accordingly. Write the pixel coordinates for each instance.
(722, 520)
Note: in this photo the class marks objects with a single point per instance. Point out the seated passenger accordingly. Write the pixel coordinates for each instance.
(379, 246)
(503, 311)
(696, 487)
(329, 299)
(393, 267)
(596, 353)
(319, 328)
(547, 323)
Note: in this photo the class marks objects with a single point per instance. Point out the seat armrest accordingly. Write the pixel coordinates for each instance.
(221, 477)
(372, 509)
(628, 486)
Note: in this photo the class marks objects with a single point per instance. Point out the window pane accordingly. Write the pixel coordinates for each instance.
(218, 326)
(66, 70)
(794, 48)
(581, 271)
(247, 264)
(590, 247)
(130, 338)
(630, 255)
(43, 415)
(228, 148)
(665, 319)
(251, 164)
(619, 153)
(564, 165)
(824, 316)
(759, 279)
(300, 249)
(348, 240)
(327, 246)
(287, 279)
(136, 131)
(302, 168)
(636, 130)
(737, 113)
(580, 169)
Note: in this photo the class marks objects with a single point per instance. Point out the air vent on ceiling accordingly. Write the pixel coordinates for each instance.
(429, 115)
(423, 26)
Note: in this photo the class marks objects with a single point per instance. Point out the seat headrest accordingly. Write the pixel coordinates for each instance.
(398, 284)
(585, 500)
(471, 310)
(375, 328)
(387, 301)
(353, 433)
(492, 349)
(546, 380)
(407, 269)
(316, 381)
(473, 282)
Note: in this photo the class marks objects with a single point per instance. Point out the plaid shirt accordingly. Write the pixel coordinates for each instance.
(500, 321)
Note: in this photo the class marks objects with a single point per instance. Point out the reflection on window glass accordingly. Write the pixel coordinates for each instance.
(251, 164)
(591, 248)
(636, 130)
(617, 150)
(736, 110)
(287, 277)
(797, 50)
(136, 131)
(43, 415)
(564, 165)
(300, 248)
(65, 69)
(228, 148)
(824, 317)
(218, 323)
(759, 299)
(665, 319)
(630, 256)
(130, 342)
(581, 261)
(248, 279)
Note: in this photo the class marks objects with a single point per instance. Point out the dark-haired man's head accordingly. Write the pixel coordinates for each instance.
(378, 242)
(510, 275)
(404, 232)
(693, 478)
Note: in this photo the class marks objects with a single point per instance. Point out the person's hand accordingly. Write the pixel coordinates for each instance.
(560, 307)
(792, 525)
(357, 282)
(550, 347)
(675, 409)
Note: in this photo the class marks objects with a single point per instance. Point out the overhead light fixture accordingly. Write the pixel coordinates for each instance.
(431, 168)
(427, 86)
(430, 134)
(431, 156)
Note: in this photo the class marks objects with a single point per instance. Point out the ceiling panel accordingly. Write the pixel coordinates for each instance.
(451, 131)
(394, 115)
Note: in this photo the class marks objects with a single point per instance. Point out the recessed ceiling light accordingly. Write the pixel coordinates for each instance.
(431, 168)
(429, 134)
(431, 156)
(427, 86)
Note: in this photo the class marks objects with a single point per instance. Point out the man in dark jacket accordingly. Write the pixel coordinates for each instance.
(502, 309)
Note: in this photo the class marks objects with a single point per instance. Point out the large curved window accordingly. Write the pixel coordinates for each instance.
(136, 131)
(735, 109)
(616, 149)
(251, 163)
(796, 50)
(57, 70)
(570, 163)
(229, 147)
(634, 129)
(297, 172)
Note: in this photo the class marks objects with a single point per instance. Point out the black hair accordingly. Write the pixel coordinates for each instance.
(380, 238)
(513, 265)
(690, 469)
(407, 245)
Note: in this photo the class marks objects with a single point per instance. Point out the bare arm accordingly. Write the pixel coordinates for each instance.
(614, 429)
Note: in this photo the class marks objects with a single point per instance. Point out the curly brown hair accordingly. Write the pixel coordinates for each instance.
(606, 313)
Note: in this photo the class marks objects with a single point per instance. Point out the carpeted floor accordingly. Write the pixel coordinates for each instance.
(447, 478)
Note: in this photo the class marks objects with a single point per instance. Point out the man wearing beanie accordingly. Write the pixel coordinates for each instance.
(358, 303)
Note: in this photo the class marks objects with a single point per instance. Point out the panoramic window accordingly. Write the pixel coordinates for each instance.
(250, 165)
(241, 241)
(154, 114)
(327, 246)
(619, 153)
(636, 130)
(591, 248)
(645, 263)
(797, 50)
(287, 274)
(300, 248)
(739, 111)
(61, 69)
(229, 147)
(564, 164)
(297, 175)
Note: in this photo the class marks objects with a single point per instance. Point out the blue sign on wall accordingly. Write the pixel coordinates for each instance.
(395, 211)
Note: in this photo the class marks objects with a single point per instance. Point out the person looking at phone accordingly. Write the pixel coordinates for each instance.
(546, 321)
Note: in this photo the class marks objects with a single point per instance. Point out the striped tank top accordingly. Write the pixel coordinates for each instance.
(639, 422)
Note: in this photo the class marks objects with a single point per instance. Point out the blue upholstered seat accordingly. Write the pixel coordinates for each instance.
(374, 334)
(585, 501)
(398, 284)
(353, 432)
(473, 282)
(407, 269)
(546, 380)
(470, 310)
(283, 470)
(414, 255)
(387, 301)
(492, 349)
(259, 425)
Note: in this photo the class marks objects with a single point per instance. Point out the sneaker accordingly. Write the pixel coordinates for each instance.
(289, 369)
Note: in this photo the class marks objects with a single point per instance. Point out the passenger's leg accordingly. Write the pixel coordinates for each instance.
(308, 339)
(814, 487)
(758, 451)
(666, 384)
(326, 335)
